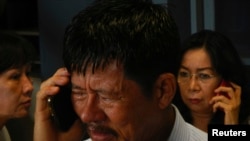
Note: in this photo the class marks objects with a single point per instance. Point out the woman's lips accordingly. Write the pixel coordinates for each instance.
(194, 100)
(27, 103)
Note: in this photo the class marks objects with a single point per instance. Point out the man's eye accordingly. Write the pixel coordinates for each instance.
(78, 95)
(105, 98)
(108, 97)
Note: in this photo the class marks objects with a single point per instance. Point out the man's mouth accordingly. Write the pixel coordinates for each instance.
(101, 133)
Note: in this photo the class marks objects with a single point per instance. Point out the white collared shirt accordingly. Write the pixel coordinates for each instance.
(4, 134)
(183, 131)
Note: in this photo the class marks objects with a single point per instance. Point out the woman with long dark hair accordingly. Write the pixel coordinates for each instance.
(212, 81)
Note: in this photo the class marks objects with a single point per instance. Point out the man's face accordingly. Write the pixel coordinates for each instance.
(112, 106)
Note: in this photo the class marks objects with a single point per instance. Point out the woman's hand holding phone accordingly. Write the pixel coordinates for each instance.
(227, 99)
(224, 84)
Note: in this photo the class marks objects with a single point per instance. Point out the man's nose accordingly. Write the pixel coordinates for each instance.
(92, 111)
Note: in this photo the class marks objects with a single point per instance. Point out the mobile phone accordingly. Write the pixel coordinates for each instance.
(62, 112)
(224, 83)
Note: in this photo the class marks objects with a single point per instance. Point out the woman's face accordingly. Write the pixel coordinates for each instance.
(197, 80)
(15, 93)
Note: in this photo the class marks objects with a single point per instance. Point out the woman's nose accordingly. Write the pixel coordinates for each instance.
(27, 84)
(193, 83)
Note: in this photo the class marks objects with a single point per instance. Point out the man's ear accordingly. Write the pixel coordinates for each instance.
(165, 89)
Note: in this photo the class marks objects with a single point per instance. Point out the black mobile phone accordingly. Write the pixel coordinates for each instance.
(62, 112)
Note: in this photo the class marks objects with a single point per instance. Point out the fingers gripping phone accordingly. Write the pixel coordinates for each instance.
(62, 111)
(224, 84)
